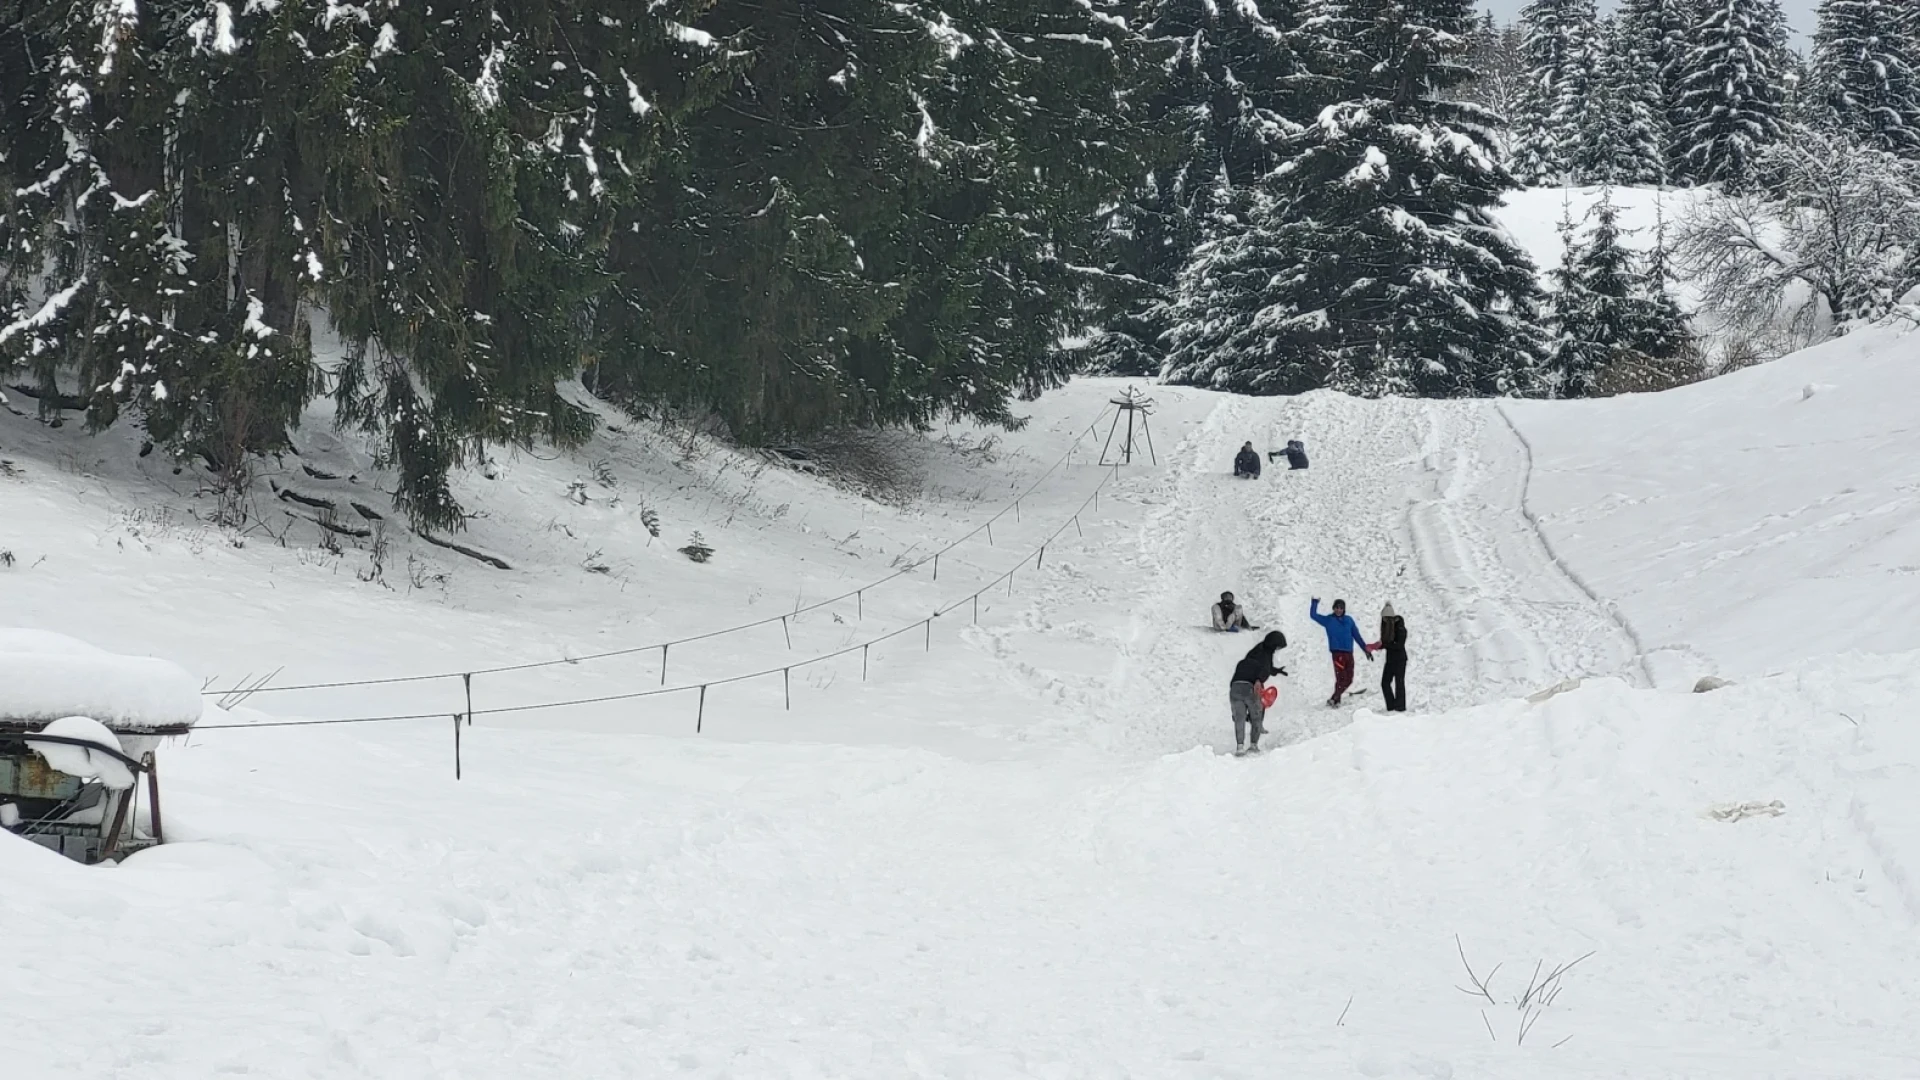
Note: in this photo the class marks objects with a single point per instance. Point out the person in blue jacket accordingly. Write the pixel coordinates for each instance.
(1343, 635)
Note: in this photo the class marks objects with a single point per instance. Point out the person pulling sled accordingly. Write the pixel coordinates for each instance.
(1246, 463)
(1343, 636)
(1247, 695)
(1230, 616)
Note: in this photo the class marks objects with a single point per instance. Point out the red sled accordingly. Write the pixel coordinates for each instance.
(1268, 695)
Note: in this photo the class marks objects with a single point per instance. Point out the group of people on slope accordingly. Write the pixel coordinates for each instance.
(1247, 694)
(1246, 464)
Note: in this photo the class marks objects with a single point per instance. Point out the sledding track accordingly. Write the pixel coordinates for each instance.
(1415, 502)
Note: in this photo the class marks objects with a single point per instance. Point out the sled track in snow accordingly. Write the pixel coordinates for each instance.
(1420, 503)
(1546, 545)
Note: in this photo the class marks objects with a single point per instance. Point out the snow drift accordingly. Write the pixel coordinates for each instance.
(45, 676)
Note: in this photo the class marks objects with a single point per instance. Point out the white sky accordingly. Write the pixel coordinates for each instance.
(1800, 15)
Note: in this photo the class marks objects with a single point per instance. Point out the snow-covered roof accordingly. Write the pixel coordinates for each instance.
(46, 676)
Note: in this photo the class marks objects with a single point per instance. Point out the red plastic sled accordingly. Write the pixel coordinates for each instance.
(1268, 695)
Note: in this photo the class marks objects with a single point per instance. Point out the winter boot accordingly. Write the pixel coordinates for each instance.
(1240, 750)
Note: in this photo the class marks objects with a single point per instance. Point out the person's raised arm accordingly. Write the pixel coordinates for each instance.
(1313, 612)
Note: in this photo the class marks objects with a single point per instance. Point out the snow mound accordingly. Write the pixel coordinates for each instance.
(80, 761)
(46, 676)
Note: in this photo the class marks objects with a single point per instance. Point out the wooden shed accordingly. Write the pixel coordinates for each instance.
(80, 729)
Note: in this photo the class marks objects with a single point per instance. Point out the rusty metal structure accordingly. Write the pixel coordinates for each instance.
(85, 820)
(79, 730)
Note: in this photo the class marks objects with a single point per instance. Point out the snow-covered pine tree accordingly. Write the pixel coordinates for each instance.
(768, 243)
(210, 174)
(1622, 128)
(1227, 91)
(1557, 33)
(1573, 364)
(1497, 56)
(155, 223)
(1865, 76)
(1040, 129)
(1606, 310)
(1731, 92)
(1658, 31)
(1574, 98)
(490, 148)
(888, 218)
(1372, 262)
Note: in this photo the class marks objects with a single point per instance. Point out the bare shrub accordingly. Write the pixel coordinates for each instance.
(1638, 374)
(875, 464)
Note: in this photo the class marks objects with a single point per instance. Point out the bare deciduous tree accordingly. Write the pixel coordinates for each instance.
(1836, 242)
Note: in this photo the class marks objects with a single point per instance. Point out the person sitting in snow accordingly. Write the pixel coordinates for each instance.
(1343, 636)
(1247, 463)
(1230, 616)
(1244, 693)
(1296, 454)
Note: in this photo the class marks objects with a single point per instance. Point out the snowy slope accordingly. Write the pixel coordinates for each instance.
(1013, 850)
(1744, 523)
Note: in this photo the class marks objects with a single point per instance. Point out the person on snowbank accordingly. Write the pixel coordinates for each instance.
(1250, 676)
(1393, 674)
(1343, 636)
(1296, 452)
(1230, 616)
(1246, 463)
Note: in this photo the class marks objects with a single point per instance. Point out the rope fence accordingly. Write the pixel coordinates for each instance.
(1036, 556)
(246, 690)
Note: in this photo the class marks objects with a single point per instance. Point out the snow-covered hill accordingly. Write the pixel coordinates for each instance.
(1015, 849)
(1748, 522)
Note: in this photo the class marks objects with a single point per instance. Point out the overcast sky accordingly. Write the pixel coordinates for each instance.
(1799, 15)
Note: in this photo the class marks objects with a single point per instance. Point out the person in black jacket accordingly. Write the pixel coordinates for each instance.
(1393, 677)
(1247, 463)
(1243, 694)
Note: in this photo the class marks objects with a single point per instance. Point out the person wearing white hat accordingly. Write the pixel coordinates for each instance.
(1393, 675)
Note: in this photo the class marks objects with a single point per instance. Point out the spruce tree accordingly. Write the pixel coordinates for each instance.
(202, 178)
(1621, 132)
(1038, 120)
(1557, 33)
(1497, 56)
(155, 216)
(1606, 309)
(1731, 92)
(1574, 97)
(1657, 31)
(1865, 76)
(1372, 262)
(888, 218)
(1228, 91)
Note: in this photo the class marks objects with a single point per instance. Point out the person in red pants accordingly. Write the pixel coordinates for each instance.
(1343, 636)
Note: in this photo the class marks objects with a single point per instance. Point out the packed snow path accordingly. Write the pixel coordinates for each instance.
(1420, 504)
